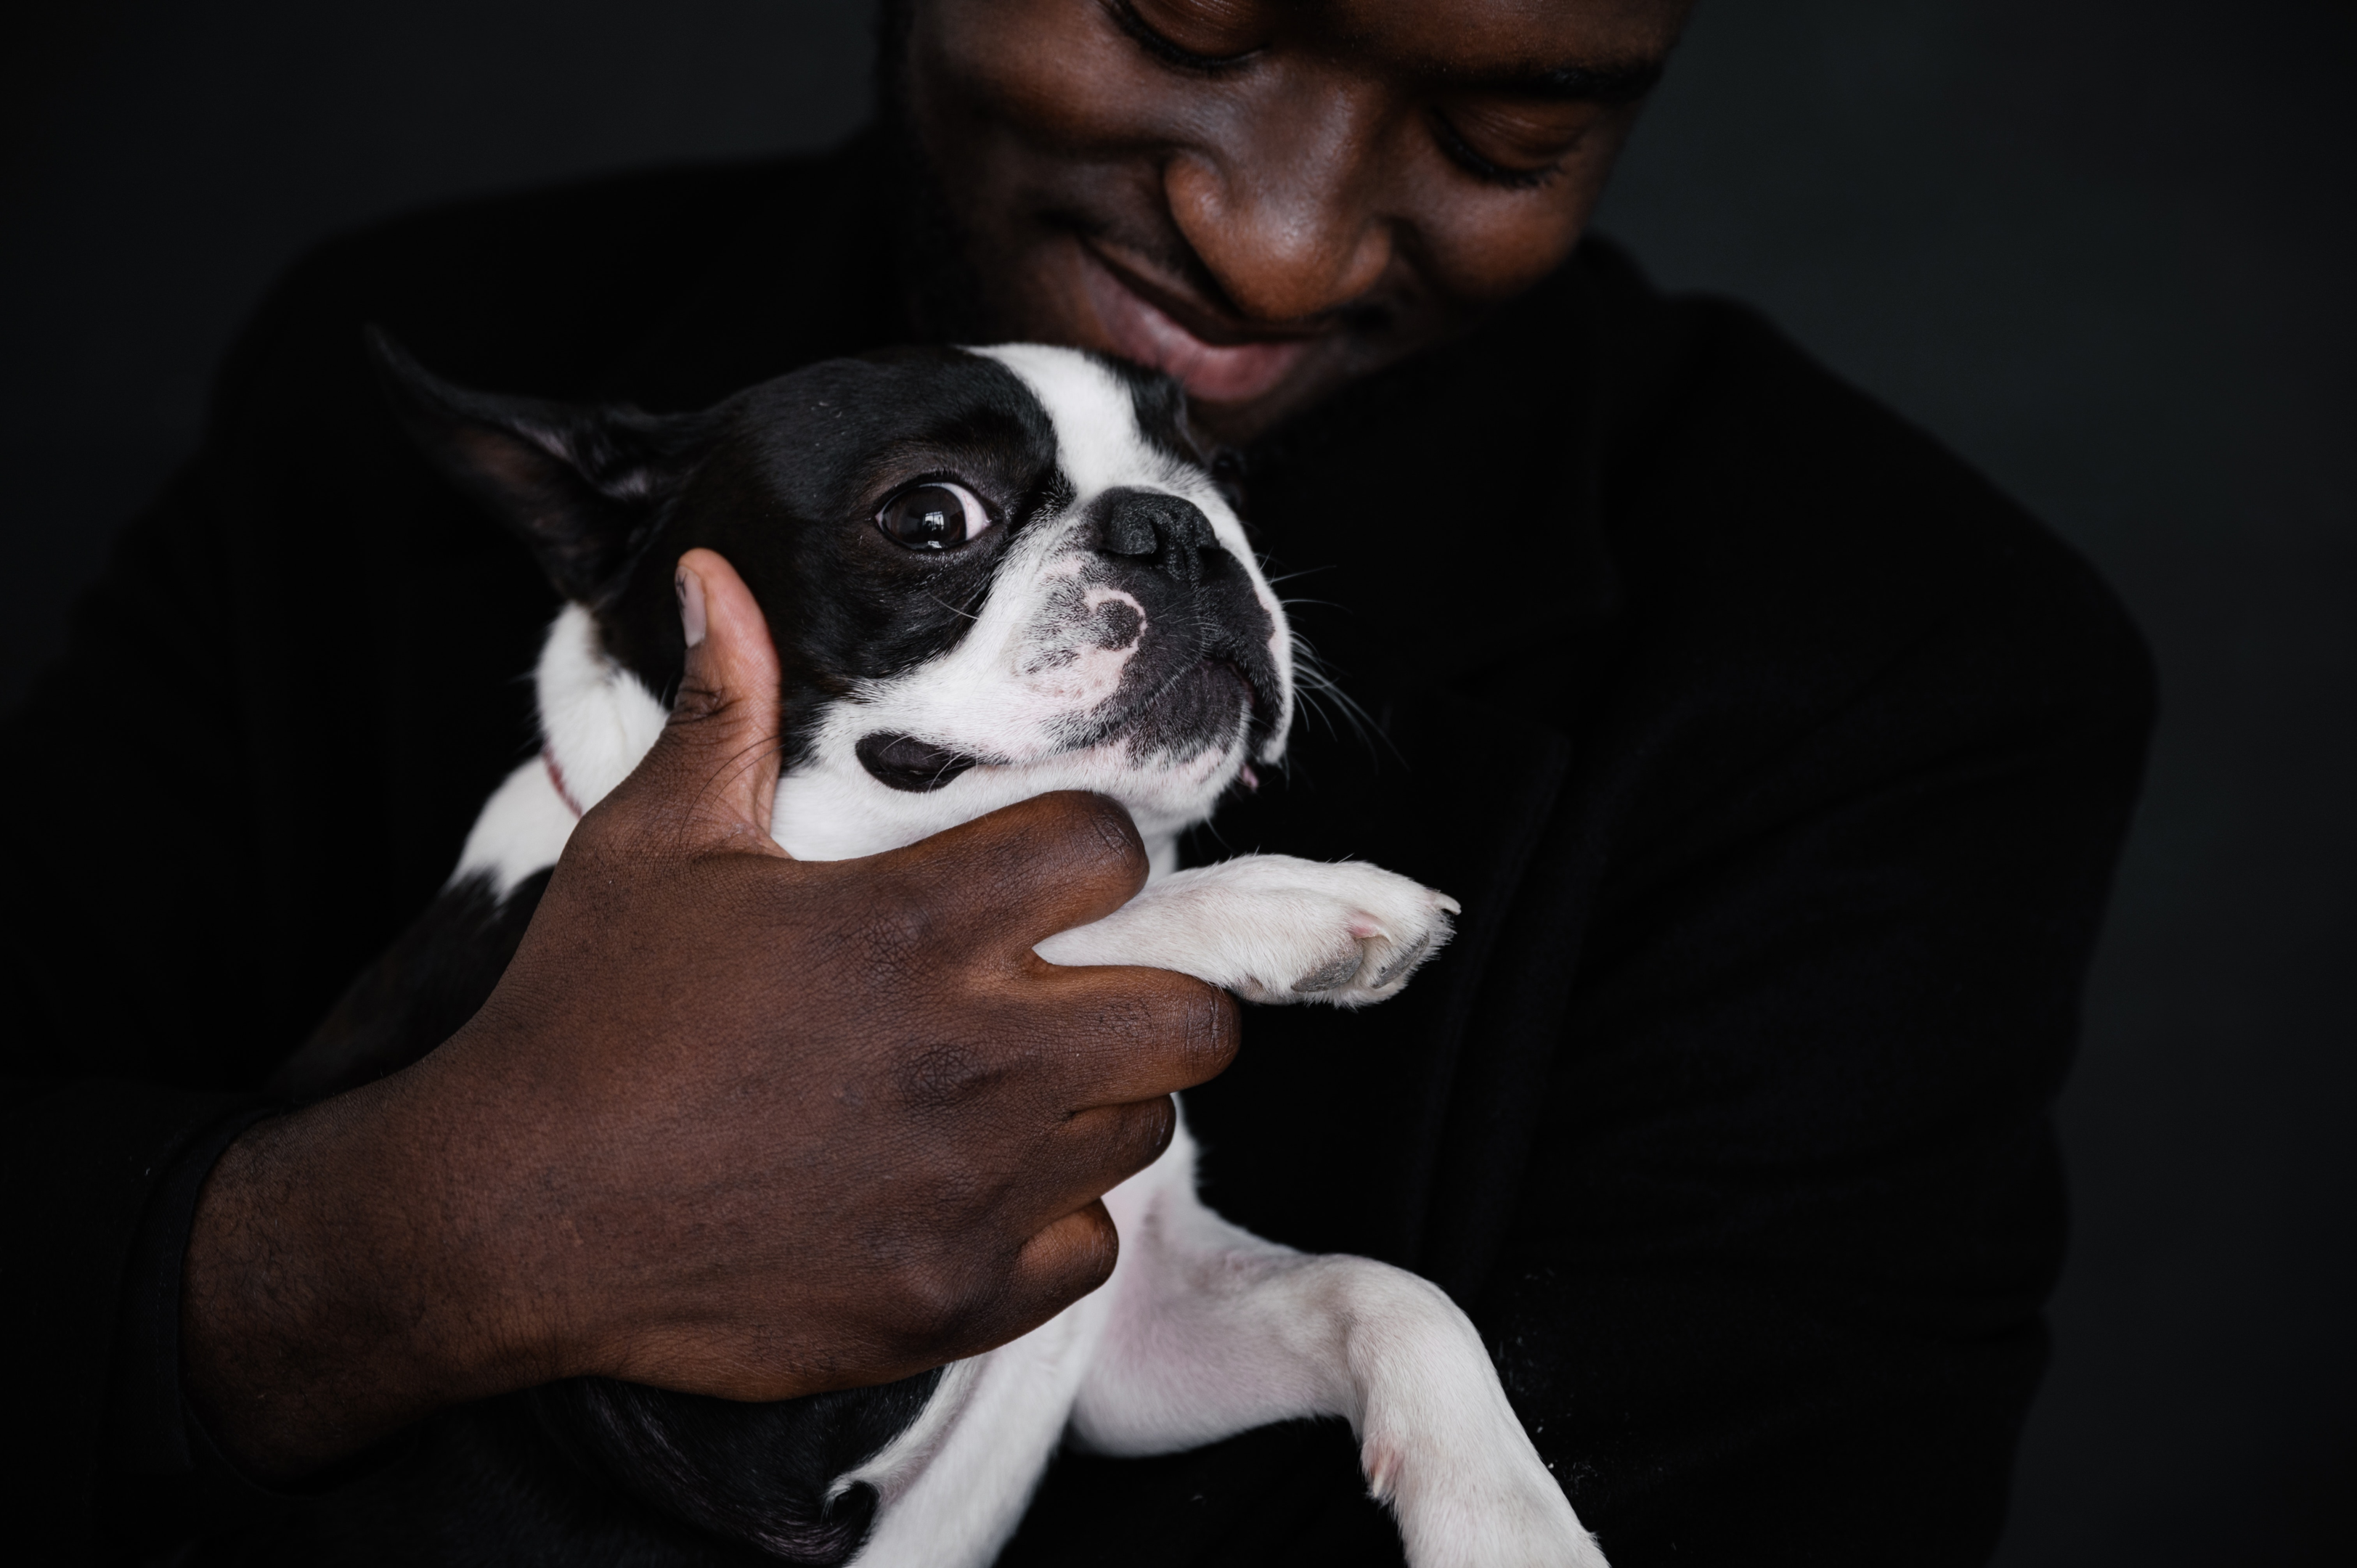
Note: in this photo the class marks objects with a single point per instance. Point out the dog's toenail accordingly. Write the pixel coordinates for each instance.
(1329, 976)
(1408, 959)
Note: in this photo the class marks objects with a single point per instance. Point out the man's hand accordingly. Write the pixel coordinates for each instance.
(732, 1122)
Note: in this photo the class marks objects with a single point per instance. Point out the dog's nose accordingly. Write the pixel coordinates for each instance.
(1169, 530)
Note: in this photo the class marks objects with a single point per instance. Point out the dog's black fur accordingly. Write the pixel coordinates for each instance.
(786, 479)
(787, 482)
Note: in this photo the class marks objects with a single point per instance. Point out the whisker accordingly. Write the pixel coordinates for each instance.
(951, 608)
(1314, 689)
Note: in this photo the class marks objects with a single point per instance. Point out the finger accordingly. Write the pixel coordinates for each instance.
(1097, 1150)
(1067, 1257)
(1043, 865)
(712, 776)
(1063, 1262)
(1119, 1034)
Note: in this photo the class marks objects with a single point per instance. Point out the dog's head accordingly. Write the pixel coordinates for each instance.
(988, 574)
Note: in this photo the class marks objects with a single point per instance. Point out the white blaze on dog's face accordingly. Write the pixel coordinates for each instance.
(989, 575)
(1128, 644)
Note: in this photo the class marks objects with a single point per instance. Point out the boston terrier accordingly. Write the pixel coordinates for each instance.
(990, 574)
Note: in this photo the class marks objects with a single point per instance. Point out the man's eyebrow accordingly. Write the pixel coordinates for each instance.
(1607, 82)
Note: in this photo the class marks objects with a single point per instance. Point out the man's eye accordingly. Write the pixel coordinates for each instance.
(1462, 152)
(1181, 37)
(932, 517)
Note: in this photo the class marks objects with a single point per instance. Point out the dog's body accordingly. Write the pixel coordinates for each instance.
(989, 575)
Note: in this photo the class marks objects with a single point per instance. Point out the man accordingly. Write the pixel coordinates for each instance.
(1779, 764)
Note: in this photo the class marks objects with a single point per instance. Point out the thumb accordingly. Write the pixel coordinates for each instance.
(712, 775)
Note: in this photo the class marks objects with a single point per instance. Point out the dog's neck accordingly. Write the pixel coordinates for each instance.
(597, 720)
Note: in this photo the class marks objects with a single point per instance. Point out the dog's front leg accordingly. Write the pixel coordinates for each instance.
(1213, 1331)
(1270, 927)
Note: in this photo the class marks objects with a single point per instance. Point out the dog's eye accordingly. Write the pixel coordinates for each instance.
(932, 517)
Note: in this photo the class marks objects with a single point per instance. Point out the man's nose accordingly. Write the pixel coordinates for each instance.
(1280, 207)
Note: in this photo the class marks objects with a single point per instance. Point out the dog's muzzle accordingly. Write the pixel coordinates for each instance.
(1202, 661)
(1216, 631)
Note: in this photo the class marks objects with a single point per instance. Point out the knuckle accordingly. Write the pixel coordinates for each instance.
(895, 929)
(1114, 828)
(1096, 1250)
(944, 1075)
(1214, 1027)
(1150, 1125)
(939, 1306)
(1099, 831)
(1196, 1024)
(698, 704)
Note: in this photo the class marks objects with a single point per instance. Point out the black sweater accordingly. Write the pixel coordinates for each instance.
(1779, 762)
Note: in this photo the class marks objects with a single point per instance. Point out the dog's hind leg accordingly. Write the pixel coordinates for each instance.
(1212, 1331)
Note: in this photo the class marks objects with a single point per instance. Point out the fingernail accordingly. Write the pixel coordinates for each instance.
(691, 606)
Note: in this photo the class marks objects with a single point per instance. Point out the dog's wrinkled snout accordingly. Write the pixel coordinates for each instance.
(1163, 530)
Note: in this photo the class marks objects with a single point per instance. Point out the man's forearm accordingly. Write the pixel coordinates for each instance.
(328, 1298)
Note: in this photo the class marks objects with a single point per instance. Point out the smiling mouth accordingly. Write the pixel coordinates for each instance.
(1142, 331)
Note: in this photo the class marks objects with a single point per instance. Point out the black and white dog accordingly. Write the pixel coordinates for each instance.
(990, 575)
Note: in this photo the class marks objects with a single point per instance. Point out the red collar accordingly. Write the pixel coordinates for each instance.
(556, 777)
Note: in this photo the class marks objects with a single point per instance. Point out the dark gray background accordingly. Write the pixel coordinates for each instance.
(2105, 249)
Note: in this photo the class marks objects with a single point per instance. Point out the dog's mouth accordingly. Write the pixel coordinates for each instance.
(1199, 707)
(1189, 709)
(1202, 703)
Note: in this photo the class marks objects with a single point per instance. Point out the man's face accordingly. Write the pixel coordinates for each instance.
(1269, 198)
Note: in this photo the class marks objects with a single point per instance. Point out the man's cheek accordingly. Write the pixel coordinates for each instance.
(1054, 70)
(1487, 246)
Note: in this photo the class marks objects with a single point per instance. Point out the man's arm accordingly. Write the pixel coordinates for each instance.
(731, 1124)
(716, 1082)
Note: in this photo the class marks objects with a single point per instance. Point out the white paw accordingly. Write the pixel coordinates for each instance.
(1273, 928)
(1346, 934)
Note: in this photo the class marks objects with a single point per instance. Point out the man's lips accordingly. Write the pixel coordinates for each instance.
(1215, 372)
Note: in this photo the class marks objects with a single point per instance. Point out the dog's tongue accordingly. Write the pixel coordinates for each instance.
(904, 762)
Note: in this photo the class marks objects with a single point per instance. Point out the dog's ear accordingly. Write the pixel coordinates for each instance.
(586, 487)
